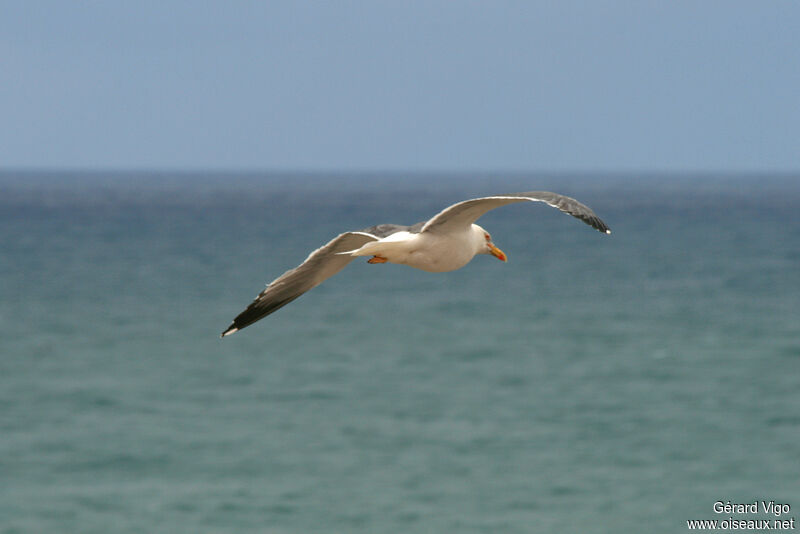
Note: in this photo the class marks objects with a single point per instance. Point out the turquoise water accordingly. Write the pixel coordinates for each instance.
(591, 384)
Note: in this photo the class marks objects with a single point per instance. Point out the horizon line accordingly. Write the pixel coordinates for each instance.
(365, 171)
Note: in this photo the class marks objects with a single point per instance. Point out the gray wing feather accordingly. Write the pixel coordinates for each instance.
(318, 267)
(385, 230)
(469, 211)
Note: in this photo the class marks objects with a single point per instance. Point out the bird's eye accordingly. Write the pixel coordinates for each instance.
(488, 237)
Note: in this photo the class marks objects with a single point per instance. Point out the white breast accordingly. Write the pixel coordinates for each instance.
(430, 252)
(441, 253)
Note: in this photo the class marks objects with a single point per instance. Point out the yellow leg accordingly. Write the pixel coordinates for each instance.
(377, 259)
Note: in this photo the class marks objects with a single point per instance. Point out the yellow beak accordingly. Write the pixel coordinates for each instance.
(497, 253)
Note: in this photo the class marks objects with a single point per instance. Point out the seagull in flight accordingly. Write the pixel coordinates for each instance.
(446, 242)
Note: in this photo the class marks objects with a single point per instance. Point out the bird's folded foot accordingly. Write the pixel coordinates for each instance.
(377, 259)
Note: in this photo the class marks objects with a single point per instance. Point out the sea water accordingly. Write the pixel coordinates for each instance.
(593, 383)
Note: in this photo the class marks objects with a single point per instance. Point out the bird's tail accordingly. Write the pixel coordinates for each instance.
(368, 249)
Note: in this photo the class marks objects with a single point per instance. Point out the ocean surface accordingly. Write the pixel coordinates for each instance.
(594, 384)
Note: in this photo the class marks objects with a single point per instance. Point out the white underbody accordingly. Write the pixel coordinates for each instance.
(428, 251)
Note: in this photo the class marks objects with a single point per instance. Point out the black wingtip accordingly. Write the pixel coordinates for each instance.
(598, 224)
(230, 330)
(602, 228)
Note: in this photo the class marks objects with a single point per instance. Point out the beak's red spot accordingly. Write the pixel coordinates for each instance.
(497, 253)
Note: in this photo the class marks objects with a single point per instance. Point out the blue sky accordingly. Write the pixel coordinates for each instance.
(386, 85)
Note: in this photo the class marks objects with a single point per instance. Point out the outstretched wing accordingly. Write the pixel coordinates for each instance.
(469, 211)
(318, 267)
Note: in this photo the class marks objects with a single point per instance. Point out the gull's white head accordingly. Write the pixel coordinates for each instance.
(484, 245)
